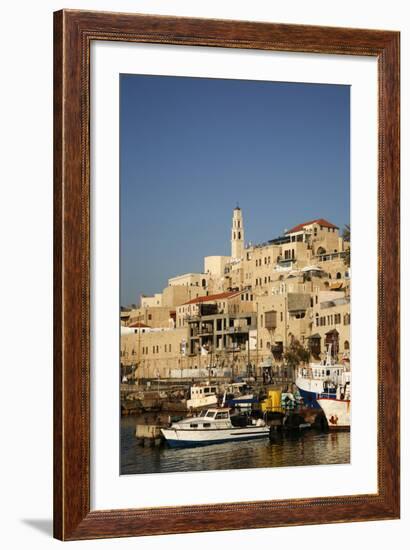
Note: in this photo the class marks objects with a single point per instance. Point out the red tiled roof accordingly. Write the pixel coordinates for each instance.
(319, 221)
(138, 324)
(212, 297)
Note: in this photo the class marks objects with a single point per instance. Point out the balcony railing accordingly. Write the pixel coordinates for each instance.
(330, 256)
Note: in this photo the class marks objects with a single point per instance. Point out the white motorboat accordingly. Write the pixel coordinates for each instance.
(214, 425)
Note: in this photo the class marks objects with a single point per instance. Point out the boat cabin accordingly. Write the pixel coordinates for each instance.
(215, 414)
(213, 418)
(197, 392)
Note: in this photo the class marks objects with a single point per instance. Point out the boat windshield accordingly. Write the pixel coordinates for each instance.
(222, 415)
(202, 413)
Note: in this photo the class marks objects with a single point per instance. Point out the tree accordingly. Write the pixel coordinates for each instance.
(346, 239)
(296, 354)
(346, 233)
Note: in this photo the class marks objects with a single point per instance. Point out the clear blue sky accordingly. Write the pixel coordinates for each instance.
(191, 148)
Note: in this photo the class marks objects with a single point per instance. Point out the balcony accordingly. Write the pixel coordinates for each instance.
(329, 257)
(239, 330)
(285, 263)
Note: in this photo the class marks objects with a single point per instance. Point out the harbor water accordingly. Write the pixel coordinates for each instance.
(305, 448)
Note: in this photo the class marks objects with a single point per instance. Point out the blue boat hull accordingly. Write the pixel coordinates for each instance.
(239, 401)
(177, 444)
(310, 398)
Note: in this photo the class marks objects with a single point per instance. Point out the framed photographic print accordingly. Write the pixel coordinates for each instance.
(226, 285)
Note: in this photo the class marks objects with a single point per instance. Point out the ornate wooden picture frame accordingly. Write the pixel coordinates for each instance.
(74, 32)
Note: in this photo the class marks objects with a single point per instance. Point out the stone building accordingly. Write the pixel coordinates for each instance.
(154, 353)
(247, 308)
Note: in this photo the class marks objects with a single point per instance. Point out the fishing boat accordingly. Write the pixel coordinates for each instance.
(320, 380)
(214, 425)
(202, 395)
(337, 410)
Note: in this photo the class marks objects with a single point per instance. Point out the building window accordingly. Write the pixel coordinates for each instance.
(261, 320)
(346, 345)
(337, 318)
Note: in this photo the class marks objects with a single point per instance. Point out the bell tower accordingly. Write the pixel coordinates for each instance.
(237, 238)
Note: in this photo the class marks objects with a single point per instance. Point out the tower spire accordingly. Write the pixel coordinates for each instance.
(237, 237)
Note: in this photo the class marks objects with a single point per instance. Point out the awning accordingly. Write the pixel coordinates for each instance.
(312, 268)
(314, 337)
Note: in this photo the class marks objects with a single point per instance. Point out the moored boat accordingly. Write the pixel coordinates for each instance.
(239, 395)
(337, 410)
(213, 425)
(320, 380)
(202, 395)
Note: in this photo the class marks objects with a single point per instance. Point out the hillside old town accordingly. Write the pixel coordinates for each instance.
(246, 313)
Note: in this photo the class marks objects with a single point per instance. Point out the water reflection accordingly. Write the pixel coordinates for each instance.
(299, 449)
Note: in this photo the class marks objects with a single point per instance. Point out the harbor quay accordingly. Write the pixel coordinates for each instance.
(263, 333)
(279, 406)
